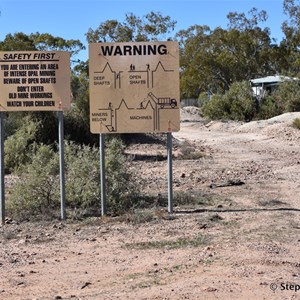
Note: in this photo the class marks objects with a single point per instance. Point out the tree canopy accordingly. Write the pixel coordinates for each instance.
(153, 26)
(213, 59)
(39, 42)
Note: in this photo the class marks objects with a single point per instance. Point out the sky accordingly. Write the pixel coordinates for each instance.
(71, 19)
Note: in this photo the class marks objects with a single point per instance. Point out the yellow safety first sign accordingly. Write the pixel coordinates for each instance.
(35, 81)
(134, 87)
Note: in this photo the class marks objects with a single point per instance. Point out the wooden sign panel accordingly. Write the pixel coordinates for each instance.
(35, 81)
(134, 87)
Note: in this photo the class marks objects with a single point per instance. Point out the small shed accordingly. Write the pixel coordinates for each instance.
(266, 85)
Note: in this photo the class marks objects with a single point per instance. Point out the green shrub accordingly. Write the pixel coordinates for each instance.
(269, 108)
(296, 123)
(121, 191)
(237, 104)
(203, 99)
(17, 146)
(288, 96)
(12, 121)
(242, 104)
(217, 108)
(40, 181)
(37, 190)
(82, 176)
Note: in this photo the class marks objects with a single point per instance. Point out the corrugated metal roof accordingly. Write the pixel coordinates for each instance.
(270, 79)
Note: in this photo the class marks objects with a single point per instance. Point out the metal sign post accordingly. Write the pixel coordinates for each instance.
(170, 173)
(2, 190)
(102, 175)
(61, 163)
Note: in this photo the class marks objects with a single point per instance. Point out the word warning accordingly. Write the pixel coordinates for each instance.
(34, 81)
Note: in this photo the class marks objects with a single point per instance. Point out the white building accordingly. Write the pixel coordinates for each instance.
(262, 86)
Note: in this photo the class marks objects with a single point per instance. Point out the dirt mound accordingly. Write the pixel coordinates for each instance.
(279, 126)
(284, 119)
(190, 114)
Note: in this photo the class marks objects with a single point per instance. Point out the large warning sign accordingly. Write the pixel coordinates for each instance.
(35, 81)
(134, 87)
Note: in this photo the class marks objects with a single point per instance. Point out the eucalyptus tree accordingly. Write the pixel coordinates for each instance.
(290, 45)
(40, 42)
(211, 60)
(153, 26)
